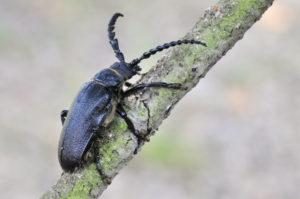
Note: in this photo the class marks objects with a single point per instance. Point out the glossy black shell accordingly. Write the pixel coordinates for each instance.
(90, 110)
(93, 108)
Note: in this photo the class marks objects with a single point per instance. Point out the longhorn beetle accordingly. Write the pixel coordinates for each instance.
(99, 99)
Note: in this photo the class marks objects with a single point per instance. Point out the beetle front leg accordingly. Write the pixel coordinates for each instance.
(63, 116)
(139, 87)
(140, 138)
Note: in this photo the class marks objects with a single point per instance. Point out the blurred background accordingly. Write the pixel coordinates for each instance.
(236, 135)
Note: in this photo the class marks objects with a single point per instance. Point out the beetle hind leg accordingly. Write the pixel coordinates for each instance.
(140, 138)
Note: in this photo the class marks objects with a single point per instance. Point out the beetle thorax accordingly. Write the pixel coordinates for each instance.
(115, 75)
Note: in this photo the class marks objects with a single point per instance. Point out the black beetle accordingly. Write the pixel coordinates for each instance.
(99, 99)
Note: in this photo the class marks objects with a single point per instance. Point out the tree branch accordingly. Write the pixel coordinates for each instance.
(221, 27)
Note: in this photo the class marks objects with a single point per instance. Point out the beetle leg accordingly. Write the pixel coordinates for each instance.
(107, 179)
(63, 116)
(140, 138)
(152, 85)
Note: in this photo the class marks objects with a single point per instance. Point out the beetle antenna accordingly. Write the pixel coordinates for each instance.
(153, 51)
(111, 35)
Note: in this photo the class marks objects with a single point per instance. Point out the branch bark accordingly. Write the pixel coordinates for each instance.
(221, 26)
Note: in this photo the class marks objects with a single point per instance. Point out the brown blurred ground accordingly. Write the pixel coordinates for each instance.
(236, 135)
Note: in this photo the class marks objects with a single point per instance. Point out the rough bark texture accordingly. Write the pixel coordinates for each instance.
(221, 26)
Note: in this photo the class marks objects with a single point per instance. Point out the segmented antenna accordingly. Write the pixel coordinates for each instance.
(111, 35)
(153, 51)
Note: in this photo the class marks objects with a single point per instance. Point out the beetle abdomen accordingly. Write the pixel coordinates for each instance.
(88, 111)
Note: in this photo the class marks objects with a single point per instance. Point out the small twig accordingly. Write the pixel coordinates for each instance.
(221, 27)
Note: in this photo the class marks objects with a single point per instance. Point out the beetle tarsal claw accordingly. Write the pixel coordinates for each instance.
(141, 139)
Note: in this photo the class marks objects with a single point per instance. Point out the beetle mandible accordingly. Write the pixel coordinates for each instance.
(100, 99)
